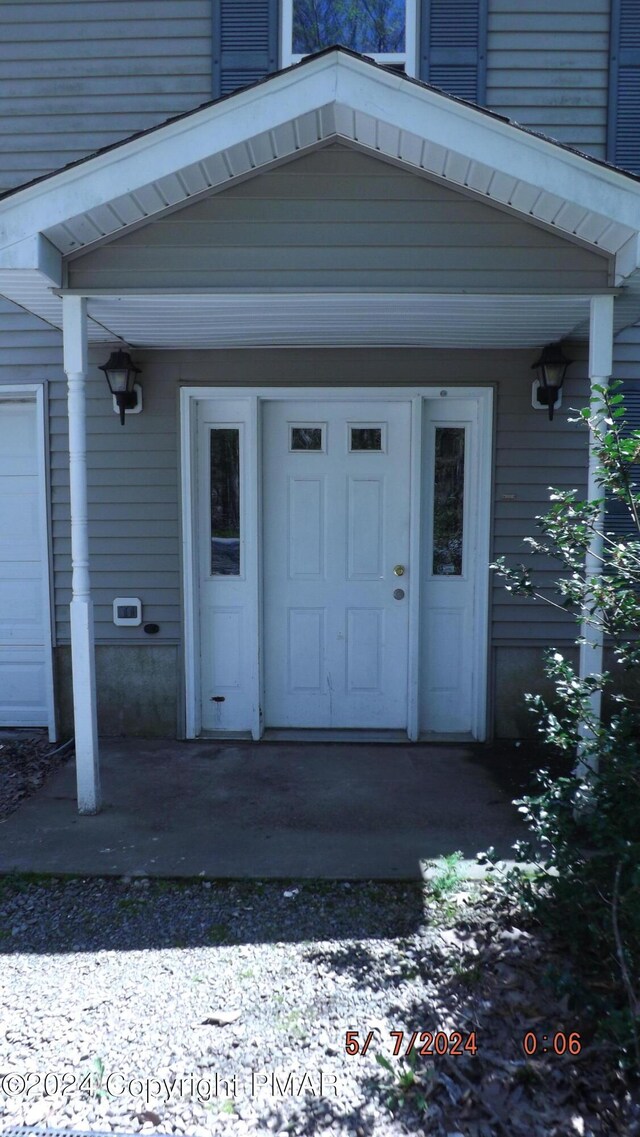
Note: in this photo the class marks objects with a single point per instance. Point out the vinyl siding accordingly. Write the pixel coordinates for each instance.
(134, 471)
(547, 68)
(78, 75)
(331, 219)
(133, 507)
(533, 455)
(81, 74)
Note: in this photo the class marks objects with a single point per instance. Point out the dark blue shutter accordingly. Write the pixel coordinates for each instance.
(453, 47)
(245, 43)
(624, 85)
(623, 150)
(618, 519)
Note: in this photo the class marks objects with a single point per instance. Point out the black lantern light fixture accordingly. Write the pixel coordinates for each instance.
(121, 372)
(552, 368)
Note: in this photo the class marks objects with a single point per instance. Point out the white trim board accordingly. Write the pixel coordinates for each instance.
(191, 395)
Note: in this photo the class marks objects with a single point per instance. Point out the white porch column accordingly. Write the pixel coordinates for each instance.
(600, 368)
(82, 644)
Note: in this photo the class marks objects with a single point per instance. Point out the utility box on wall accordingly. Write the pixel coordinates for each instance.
(127, 611)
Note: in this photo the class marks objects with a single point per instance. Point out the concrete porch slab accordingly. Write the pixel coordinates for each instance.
(267, 810)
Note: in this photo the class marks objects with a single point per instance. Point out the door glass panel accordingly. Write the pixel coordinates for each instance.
(374, 27)
(448, 501)
(366, 438)
(306, 438)
(225, 501)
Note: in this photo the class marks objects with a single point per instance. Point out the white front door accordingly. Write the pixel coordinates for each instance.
(336, 505)
(303, 606)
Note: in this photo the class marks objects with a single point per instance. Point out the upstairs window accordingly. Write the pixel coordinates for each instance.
(382, 29)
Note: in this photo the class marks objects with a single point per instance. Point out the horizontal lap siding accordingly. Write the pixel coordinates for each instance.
(547, 68)
(30, 350)
(133, 507)
(343, 214)
(74, 77)
(84, 74)
(533, 454)
(134, 478)
(331, 219)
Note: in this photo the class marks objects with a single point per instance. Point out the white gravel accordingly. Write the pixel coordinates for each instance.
(205, 1008)
(107, 987)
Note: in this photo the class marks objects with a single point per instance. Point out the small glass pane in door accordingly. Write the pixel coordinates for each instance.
(448, 501)
(225, 501)
(306, 437)
(366, 438)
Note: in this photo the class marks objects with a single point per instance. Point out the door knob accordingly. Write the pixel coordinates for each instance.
(398, 594)
(398, 570)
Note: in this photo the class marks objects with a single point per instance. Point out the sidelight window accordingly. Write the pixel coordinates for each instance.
(448, 501)
(225, 501)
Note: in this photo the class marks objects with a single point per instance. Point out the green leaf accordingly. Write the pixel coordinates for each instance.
(385, 1063)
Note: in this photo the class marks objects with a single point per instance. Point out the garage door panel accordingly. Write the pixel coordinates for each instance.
(19, 520)
(23, 687)
(18, 439)
(21, 615)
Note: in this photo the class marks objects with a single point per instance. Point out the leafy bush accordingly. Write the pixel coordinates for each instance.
(586, 826)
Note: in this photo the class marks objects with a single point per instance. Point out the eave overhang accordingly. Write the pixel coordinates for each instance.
(334, 96)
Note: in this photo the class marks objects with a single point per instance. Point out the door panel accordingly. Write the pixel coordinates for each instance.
(365, 638)
(336, 521)
(305, 528)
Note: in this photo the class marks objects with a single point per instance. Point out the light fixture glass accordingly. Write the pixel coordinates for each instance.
(121, 372)
(552, 368)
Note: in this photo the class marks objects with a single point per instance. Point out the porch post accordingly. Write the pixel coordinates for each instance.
(600, 368)
(74, 309)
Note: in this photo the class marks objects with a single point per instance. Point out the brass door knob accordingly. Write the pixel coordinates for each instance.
(398, 570)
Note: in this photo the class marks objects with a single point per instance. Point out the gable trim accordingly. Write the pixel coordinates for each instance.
(336, 95)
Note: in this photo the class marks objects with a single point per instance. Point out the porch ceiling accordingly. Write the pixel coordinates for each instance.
(332, 96)
(339, 320)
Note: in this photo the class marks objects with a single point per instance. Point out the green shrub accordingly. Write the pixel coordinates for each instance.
(586, 826)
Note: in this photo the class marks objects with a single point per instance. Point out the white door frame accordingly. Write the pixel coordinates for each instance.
(37, 391)
(189, 396)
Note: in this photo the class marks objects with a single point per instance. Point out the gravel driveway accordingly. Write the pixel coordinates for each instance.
(207, 1008)
(224, 1009)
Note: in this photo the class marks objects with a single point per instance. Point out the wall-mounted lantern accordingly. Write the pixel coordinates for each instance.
(552, 368)
(121, 372)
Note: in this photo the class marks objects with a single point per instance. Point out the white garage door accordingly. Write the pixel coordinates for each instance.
(25, 642)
